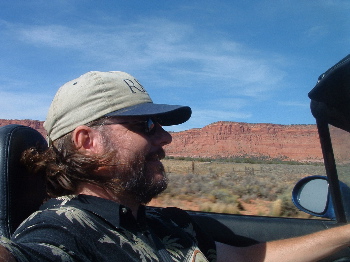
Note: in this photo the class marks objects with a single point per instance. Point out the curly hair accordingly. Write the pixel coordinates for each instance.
(65, 167)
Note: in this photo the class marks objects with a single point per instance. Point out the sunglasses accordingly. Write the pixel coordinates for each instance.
(147, 127)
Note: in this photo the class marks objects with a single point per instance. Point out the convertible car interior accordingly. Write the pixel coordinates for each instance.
(21, 193)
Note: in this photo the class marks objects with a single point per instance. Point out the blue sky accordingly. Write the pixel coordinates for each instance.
(244, 61)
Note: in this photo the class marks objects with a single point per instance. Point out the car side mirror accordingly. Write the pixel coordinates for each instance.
(311, 195)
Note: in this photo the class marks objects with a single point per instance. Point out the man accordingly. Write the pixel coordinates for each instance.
(103, 164)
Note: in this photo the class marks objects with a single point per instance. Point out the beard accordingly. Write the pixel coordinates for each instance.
(140, 178)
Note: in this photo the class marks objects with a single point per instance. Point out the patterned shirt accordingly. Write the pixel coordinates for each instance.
(87, 228)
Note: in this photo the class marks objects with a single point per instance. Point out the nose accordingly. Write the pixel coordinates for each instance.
(161, 137)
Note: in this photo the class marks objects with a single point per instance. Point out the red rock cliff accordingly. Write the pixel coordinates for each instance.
(35, 124)
(230, 139)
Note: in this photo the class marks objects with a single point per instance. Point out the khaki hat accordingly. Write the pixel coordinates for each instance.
(97, 94)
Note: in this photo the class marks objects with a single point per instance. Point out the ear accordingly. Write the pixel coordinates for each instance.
(86, 140)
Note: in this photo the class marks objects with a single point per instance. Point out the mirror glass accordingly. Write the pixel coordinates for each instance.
(313, 195)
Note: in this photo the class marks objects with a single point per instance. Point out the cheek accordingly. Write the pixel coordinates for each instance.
(124, 142)
(129, 148)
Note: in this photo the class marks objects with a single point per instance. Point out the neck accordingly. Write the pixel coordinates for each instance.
(97, 191)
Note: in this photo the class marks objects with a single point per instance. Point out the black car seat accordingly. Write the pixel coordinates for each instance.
(21, 193)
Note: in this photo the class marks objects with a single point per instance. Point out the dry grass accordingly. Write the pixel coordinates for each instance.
(236, 188)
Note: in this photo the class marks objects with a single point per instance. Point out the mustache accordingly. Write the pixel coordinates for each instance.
(158, 154)
(155, 155)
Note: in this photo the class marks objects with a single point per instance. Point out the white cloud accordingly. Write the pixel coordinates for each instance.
(211, 115)
(317, 32)
(203, 117)
(52, 36)
(294, 104)
(170, 48)
(164, 53)
(23, 105)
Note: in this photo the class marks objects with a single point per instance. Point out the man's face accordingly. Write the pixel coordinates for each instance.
(136, 168)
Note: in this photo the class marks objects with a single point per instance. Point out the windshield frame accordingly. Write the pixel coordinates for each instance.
(331, 170)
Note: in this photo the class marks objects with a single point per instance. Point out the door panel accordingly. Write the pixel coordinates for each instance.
(240, 230)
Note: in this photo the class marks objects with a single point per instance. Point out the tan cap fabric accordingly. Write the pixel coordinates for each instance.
(96, 94)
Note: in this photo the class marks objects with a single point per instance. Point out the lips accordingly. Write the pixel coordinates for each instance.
(154, 168)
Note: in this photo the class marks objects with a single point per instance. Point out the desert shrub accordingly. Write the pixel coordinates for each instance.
(285, 207)
(229, 184)
(220, 208)
(276, 208)
(248, 159)
(224, 196)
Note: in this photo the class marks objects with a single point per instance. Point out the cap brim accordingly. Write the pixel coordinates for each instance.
(166, 115)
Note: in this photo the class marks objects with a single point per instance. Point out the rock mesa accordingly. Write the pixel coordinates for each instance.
(233, 139)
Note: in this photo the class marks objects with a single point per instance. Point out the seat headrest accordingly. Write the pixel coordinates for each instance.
(21, 193)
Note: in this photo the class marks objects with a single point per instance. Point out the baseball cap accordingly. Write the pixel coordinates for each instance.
(97, 94)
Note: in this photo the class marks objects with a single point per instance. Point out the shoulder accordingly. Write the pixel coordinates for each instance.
(189, 229)
(58, 212)
(173, 218)
(179, 216)
(57, 232)
(174, 214)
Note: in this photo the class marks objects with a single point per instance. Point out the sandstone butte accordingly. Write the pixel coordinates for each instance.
(233, 139)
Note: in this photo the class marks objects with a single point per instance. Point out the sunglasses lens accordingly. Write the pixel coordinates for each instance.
(151, 126)
(147, 127)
